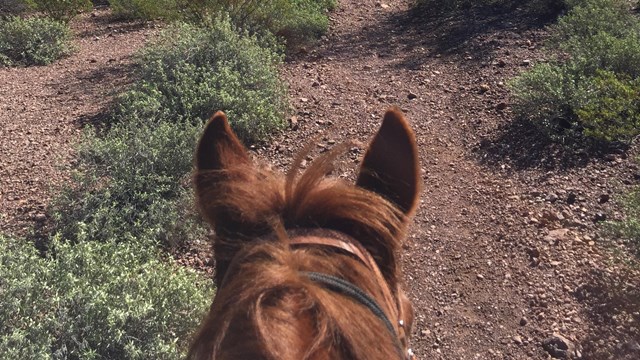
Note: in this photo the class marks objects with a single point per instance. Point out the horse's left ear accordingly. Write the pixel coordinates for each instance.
(219, 147)
(390, 167)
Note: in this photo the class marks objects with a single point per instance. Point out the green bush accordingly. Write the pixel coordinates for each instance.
(595, 88)
(612, 111)
(297, 21)
(600, 35)
(95, 301)
(62, 10)
(548, 95)
(191, 71)
(629, 229)
(33, 41)
(145, 9)
(302, 20)
(132, 187)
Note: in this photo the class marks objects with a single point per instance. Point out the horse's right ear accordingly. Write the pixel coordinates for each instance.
(390, 166)
(219, 148)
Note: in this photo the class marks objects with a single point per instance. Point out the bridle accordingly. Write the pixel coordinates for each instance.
(343, 242)
(337, 240)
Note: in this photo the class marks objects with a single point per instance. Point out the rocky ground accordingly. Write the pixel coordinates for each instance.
(506, 259)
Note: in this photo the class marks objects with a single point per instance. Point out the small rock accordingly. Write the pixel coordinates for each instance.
(550, 216)
(526, 62)
(501, 106)
(558, 347)
(556, 236)
(293, 122)
(40, 217)
(411, 96)
(523, 321)
(517, 339)
(315, 84)
(603, 198)
(599, 217)
(571, 198)
(304, 100)
(533, 253)
(552, 198)
(480, 276)
(484, 88)
(501, 63)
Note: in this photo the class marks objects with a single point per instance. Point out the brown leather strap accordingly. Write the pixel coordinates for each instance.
(344, 242)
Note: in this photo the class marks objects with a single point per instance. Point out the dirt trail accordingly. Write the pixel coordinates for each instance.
(504, 244)
(499, 249)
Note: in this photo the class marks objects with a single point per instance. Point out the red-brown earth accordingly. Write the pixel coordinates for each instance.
(507, 247)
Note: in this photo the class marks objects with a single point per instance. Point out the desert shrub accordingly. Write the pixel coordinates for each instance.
(131, 186)
(62, 10)
(191, 71)
(33, 41)
(304, 20)
(297, 21)
(548, 94)
(612, 110)
(145, 9)
(95, 301)
(600, 35)
(629, 229)
(594, 88)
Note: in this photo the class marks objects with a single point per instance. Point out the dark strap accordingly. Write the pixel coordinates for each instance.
(346, 288)
(342, 241)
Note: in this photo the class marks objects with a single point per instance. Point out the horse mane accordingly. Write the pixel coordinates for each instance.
(266, 308)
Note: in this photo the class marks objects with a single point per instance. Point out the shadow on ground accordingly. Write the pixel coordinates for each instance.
(406, 34)
(523, 145)
(107, 24)
(88, 84)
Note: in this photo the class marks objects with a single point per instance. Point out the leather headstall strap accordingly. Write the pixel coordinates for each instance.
(339, 240)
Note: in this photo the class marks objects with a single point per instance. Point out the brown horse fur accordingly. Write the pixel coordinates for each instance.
(265, 308)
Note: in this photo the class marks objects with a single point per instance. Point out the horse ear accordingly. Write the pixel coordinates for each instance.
(390, 167)
(219, 147)
(219, 150)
